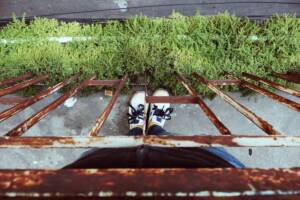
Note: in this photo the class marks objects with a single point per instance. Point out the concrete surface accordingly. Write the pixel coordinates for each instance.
(187, 120)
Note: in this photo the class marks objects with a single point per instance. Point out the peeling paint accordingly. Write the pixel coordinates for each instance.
(276, 141)
(153, 194)
(202, 194)
(131, 194)
(105, 194)
(193, 182)
(157, 141)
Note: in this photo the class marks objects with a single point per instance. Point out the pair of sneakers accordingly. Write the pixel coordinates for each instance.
(138, 110)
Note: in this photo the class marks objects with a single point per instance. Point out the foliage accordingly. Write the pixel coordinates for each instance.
(205, 44)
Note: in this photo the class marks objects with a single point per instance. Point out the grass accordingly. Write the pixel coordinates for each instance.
(204, 44)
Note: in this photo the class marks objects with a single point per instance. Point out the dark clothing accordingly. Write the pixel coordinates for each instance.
(153, 130)
(156, 157)
(152, 157)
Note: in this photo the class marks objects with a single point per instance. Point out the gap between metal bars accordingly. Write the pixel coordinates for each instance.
(192, 98)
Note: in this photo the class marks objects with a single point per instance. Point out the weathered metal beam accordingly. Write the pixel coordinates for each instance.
(258, 121)
(211, 116)
(155, 183)
(272, 84)
(291, 77)
(102, 118)
(103, 82)
(27, 124)
(173, 99)
(291, 104)
(158, 141)
(225, 82)
(15, 79)
(27, 102)
(22, 85)
(11, 100)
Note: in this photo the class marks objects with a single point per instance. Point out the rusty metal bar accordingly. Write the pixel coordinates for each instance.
(157, 141)
(22, 85)
(212, 117)
(102, 118)
(258, 121)
(293, 105)
(173, 99)
(291, 77)
(11, 100)
(225, 82)
(27, 102)
(27, 124)
(272, 84)
(103, 82)
(13, 80)
(224, 183)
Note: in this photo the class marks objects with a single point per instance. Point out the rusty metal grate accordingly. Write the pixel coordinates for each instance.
(161, 183)
(31, 121)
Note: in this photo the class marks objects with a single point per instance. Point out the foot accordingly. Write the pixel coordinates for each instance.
(159, 112)
(136, 112)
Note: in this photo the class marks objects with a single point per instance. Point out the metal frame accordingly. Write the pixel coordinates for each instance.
(31, 121)
(194, 99)
(152, 183)
(155, 183)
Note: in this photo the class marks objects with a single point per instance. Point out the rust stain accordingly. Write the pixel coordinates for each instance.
(22, 85)
(280, 99)
(293, 105)
(172, 99)
(154, 140)
(171, 140)
(102, 118)
(27, 102)
(290, 76)
(103, 82)
(225, 82)
(11, 100)
(163, 141)
(272, 84)
(38, 142)
(27, 124)
(258, 121)
(13, 80)
(212, 117)
(158, 182)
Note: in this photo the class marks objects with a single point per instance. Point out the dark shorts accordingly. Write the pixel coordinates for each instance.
(156, 157)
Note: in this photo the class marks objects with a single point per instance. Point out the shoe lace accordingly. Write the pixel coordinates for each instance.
(136, 114)
(165, 114)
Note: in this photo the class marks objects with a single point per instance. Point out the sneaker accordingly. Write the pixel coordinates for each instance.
(159, 112)
(136, 112)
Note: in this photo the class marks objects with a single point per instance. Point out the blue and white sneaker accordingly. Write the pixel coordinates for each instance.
(159, 112)
(137, 109)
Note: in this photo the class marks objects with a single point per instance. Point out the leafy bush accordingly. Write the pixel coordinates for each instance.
(204, 44)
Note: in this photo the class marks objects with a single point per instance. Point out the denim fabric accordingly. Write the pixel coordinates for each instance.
(222, 153)
(157, 130)
(135, 131)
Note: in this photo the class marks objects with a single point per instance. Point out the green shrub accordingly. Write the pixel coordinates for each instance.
(205, 44)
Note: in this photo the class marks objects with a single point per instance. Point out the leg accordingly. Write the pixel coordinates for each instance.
(136, 114)
(159, 113)
(135, 131)
(157, 130)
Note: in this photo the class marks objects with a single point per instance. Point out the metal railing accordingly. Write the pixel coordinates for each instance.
(158, 183)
